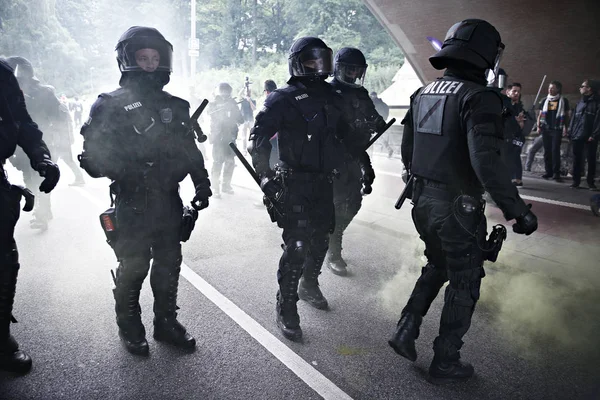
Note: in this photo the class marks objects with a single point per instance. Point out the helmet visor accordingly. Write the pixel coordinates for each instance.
(350, 74)
(146, 54)
(314, 61)
(492, 73)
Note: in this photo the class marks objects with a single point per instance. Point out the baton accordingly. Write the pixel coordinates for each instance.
(201, 137)
(254, 175)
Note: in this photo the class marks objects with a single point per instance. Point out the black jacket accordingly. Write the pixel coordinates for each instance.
(16, 126)
(309, 122)
(585, 122)
(479, 135)
(142, 139)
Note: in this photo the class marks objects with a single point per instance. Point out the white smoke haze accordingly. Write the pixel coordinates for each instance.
(529, 306)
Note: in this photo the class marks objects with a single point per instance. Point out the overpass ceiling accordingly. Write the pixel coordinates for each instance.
(560, 39)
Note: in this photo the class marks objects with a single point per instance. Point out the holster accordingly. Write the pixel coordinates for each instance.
(493, 245)
(188, 222)
(108, 221)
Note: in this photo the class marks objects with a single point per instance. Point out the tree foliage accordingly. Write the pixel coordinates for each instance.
(71, 42)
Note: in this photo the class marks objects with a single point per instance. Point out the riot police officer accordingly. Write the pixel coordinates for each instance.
(308, 118)
(451, 145)
(140, 137)
(16, 127)
(225, 117)
(349, 75)
(53, 119)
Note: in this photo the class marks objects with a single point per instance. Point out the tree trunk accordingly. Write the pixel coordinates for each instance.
(254, 27)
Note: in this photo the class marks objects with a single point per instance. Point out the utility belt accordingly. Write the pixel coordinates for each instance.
(442, 191)
(466, 204)
(294, 174)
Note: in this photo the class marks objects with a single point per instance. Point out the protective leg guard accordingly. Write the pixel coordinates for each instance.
(11, 358)
(164, 280)
(286, 309)
(129, 278)
(426, 289)
(309, 290)
(403, 339)
(459, 304)
(334, 260)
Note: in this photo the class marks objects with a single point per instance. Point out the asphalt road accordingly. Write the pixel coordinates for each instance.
(534, 333)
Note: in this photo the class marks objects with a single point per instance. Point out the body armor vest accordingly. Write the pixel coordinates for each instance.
(150, 130)
(308, 142)
(360, 110)
(440, 151)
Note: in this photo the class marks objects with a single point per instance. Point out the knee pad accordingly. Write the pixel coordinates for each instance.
(133, 269)
(10, 255)
(434, 275)
(295, 252)
(464, 288)
(167, 256)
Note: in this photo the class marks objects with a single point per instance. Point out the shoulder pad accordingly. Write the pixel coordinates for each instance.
(179, 101)
(4, 65)
(114, 93)
(276, 96)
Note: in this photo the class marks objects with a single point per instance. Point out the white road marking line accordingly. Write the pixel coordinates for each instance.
(303, 370)
(313, 378)
(555, 202)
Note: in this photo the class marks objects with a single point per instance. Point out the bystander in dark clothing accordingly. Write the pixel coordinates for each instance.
(584, 132)
(513, 132)
(552, 124)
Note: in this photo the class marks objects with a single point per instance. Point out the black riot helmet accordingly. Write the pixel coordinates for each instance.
(22, 66)
(140, 37)
(310, 57)
(350, 67)
(472, 41)
(224, 89)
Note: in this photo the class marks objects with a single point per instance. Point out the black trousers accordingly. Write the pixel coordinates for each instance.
(10, 209)
(223, 164)
(515, 164)
(347, 199)
(309, 219)
(148, 226)
(452, 246)
(581, 149)
(552, 140)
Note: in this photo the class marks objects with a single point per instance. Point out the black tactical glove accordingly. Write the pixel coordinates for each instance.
(527, 222)
(270, 186)
(200, 200)
(51, 174)
(368, 174)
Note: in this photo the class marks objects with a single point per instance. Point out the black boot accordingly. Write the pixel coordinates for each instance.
(407, 331)
(308, 289)
(129, 320)
(11, 358)
(449, 371)
(334, 260)
(166, 327)
(286, 308)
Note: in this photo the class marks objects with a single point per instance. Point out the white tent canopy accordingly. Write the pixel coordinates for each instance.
(405, 83)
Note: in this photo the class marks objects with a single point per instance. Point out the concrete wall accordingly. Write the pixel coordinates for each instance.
(560, 39)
